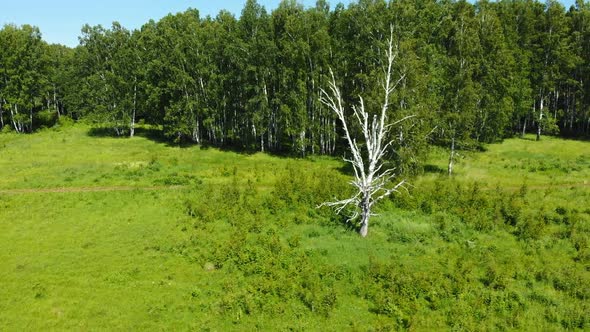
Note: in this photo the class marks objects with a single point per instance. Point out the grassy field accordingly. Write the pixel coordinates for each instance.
(133, 234)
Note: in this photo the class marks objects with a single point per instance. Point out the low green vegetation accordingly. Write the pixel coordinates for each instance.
(135, 234)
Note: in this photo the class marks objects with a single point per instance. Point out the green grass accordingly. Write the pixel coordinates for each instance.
(185, 238)
(549, 162)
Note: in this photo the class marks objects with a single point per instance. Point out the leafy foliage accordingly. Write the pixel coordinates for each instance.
(474, 73)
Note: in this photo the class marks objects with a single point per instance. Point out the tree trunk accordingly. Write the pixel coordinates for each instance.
(17, 124)
(365, 215)
(523, 128)
(12, 118)
(452, 156)
(132, 127)
(302, 142)
(31, 120)
(556, 94)
(55, 102)
(572, 113)
(540, 119)
(1, 117)
(196, 136)
(334, 135)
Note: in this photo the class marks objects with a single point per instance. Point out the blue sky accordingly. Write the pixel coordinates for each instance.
(60, 20)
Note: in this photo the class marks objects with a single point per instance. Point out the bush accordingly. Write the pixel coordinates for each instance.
(300, 192)
(481, 260)
(268, 270)
(63, 122)
(531, 226)
(6, 129)
(45, 119)
(484, 210)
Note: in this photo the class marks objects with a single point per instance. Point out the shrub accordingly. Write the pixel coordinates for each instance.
(531, 226)
(6, 129)
(484, 210)
(65, 121)
(45, 119)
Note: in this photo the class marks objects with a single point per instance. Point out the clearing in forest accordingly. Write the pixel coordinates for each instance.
(110, 233)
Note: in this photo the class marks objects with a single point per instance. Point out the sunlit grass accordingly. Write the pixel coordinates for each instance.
(516, 162)
(231, 241)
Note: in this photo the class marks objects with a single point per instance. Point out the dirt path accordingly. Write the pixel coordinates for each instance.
(84, 189)
(154, 188)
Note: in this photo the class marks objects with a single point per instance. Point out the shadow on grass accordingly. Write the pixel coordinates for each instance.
(563, 135)
(346, 169)
(576, 138)
(435, 169)
(341, 221)
(156, 134)
(104, 132)
(236, 148)
(352, 227)
(527, 138)
(152, 134)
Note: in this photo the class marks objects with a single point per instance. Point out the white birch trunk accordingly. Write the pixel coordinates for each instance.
(540, 119)
(31, 116)
(55, 102)
(1, 114)
(17, 124)
(132, 126)
(12, 118)
(302, 142)
(452, 156)
(365, 215)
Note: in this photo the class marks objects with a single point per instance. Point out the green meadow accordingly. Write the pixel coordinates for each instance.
(104, 233)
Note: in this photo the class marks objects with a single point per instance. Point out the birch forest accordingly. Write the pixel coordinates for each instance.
(473, 73)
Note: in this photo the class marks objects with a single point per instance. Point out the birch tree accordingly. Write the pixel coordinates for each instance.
(22, 74)
(372, 178)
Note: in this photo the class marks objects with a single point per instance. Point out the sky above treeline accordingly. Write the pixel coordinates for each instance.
(60, 21)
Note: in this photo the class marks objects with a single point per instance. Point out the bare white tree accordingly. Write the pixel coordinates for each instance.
(372, 178)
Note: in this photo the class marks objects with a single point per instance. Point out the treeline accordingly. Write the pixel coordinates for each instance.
(470, 73)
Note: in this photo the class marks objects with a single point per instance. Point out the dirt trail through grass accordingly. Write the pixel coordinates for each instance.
(84, 189)
(153, 188)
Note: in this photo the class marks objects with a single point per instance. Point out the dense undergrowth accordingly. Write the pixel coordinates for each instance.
(477, 258)
(238, 243)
